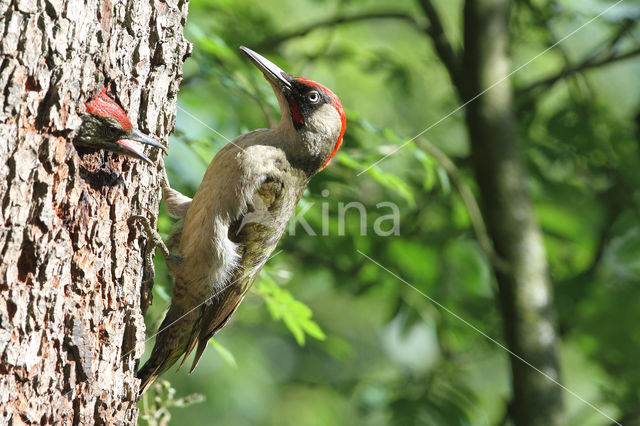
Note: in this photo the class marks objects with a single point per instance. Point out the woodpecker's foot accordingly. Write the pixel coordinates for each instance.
(155, 240)
(164, 178)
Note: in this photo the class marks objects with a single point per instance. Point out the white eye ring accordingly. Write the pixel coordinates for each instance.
(313, 96)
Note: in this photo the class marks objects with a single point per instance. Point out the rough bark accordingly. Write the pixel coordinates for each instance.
(524, 288)
(71, 298)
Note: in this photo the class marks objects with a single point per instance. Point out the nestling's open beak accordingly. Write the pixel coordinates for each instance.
(271, 71)
(138, 136)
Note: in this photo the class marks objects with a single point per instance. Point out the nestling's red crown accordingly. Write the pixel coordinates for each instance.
(338, 105)
(105, 107)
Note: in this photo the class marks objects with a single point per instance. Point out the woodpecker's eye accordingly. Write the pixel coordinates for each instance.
(112, 128)
(313, 97)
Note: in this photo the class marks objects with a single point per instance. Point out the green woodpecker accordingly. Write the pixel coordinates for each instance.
(107, 126)
(239, 212)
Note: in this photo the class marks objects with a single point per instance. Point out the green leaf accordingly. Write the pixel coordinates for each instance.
(294, 327)
(313, 330)
(225, 353)
(387, 180)
(295, 315)
(429, 165)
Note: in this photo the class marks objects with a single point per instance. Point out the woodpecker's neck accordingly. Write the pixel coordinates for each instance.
(304, 149)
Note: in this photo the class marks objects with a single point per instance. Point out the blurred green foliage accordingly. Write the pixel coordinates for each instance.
(380, 353)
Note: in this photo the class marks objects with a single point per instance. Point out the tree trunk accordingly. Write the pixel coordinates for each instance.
(525, 291)
(71, 298)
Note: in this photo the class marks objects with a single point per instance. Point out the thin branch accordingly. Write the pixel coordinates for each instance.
(543, 18)
(477, 221)
(445, 50)
(274, 42)
(623, 30)
(584, 65)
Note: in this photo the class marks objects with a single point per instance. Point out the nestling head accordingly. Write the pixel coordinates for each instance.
(107, 126)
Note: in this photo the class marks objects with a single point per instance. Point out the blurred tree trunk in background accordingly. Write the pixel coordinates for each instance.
(524, 289)
(71, 302)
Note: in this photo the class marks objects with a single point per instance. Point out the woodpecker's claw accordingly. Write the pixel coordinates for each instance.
(153, 235)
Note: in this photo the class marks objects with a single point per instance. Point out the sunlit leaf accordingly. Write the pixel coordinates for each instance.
(294, 314)
(225, 353)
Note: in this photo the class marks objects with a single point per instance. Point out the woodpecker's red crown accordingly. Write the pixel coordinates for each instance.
(105, 107)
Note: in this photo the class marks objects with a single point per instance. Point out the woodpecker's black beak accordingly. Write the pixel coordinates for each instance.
(138, 136)
(271, 71)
